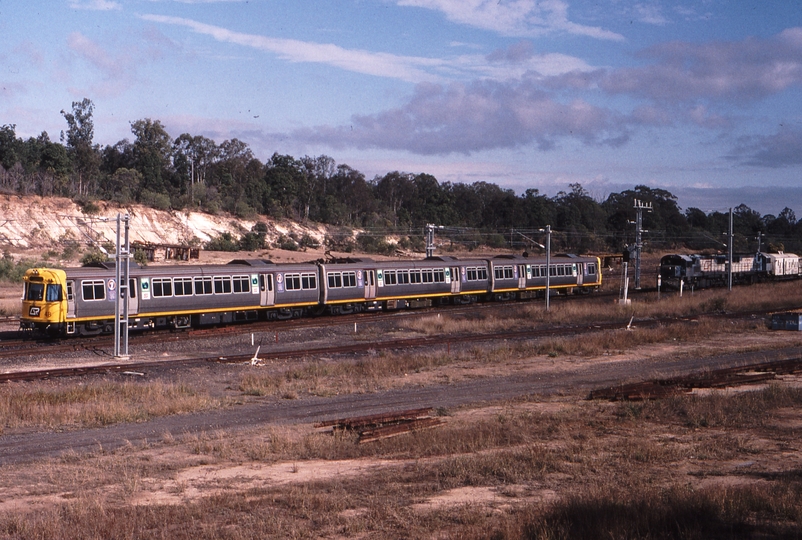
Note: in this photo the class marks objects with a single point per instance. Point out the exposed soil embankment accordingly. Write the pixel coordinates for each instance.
(39, 223)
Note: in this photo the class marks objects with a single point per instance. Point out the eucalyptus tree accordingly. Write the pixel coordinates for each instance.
(152, 153)
(79, 136)
(313, 192)
(395, 190)
(192, 158)
(9, 146)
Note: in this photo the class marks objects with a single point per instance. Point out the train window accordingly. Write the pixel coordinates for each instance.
(70, 296)
(427, 275)
(349, 279)
(203, 285)
(53, 293)
(242, 284)
(335, 280)
(162, 287)
(403, 277)
(131, 289)
(414, 276)
(309, 281)
(266, 286)
(35, 291)
(94, 289)
(439, 275)
(481, 273)
(222, 285)
(182, 286)
(592, 269)
(390, 277)
(471, 274)
(503, 272)
(292, 282)
(552, 270)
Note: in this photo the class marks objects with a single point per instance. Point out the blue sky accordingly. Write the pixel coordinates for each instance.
(701, 98)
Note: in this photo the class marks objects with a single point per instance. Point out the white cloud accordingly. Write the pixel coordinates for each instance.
(736, 71)
(407, 68)
(96, 5)
(483, 115)
(650, 14)
(413, 69)
(513, 17)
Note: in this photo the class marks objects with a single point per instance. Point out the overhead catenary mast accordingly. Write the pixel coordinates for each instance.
(640, 206)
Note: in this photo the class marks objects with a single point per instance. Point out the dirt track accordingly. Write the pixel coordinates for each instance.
(576, 380)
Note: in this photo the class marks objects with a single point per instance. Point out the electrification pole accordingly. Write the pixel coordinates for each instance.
(429, 240)
(122, 266)
(430, 227)
(729, 256)
(547, 230)
(640, 206)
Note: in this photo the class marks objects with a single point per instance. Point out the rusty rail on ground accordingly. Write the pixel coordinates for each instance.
(385, 425)
(719, 378)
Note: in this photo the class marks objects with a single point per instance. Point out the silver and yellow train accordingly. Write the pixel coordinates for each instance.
(81, 301)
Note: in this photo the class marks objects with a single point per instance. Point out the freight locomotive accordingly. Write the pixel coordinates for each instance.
(700, 271)
(81, 301)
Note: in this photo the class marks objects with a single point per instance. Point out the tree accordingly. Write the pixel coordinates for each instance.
(192, 158)
(319, 171)
(696, 218)
(746, 221)
(394, 189)
(79, 135)
(152, 152)
(9, 145)
(284, 178)
(123, 185)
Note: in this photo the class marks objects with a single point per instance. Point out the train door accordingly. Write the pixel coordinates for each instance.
(266, 289)
(455, 280)
(580, 273)
(522, 276)
(133, 298)
(370, 284)
(70, 299)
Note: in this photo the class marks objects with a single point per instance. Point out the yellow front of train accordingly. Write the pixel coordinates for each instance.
(44, 301)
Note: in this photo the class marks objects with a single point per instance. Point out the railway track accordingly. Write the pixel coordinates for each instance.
(442, 341)
(18, 347)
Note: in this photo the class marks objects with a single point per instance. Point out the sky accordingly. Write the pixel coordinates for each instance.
(701, 98)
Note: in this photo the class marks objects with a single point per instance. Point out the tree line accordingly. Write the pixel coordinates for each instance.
(195, 172)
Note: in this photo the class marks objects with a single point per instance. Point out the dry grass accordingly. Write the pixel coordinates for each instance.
(54, 405)
(776, 297)
(613, 471)
(385, 370)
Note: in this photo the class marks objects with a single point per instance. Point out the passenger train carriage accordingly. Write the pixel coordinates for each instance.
(81, 300)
